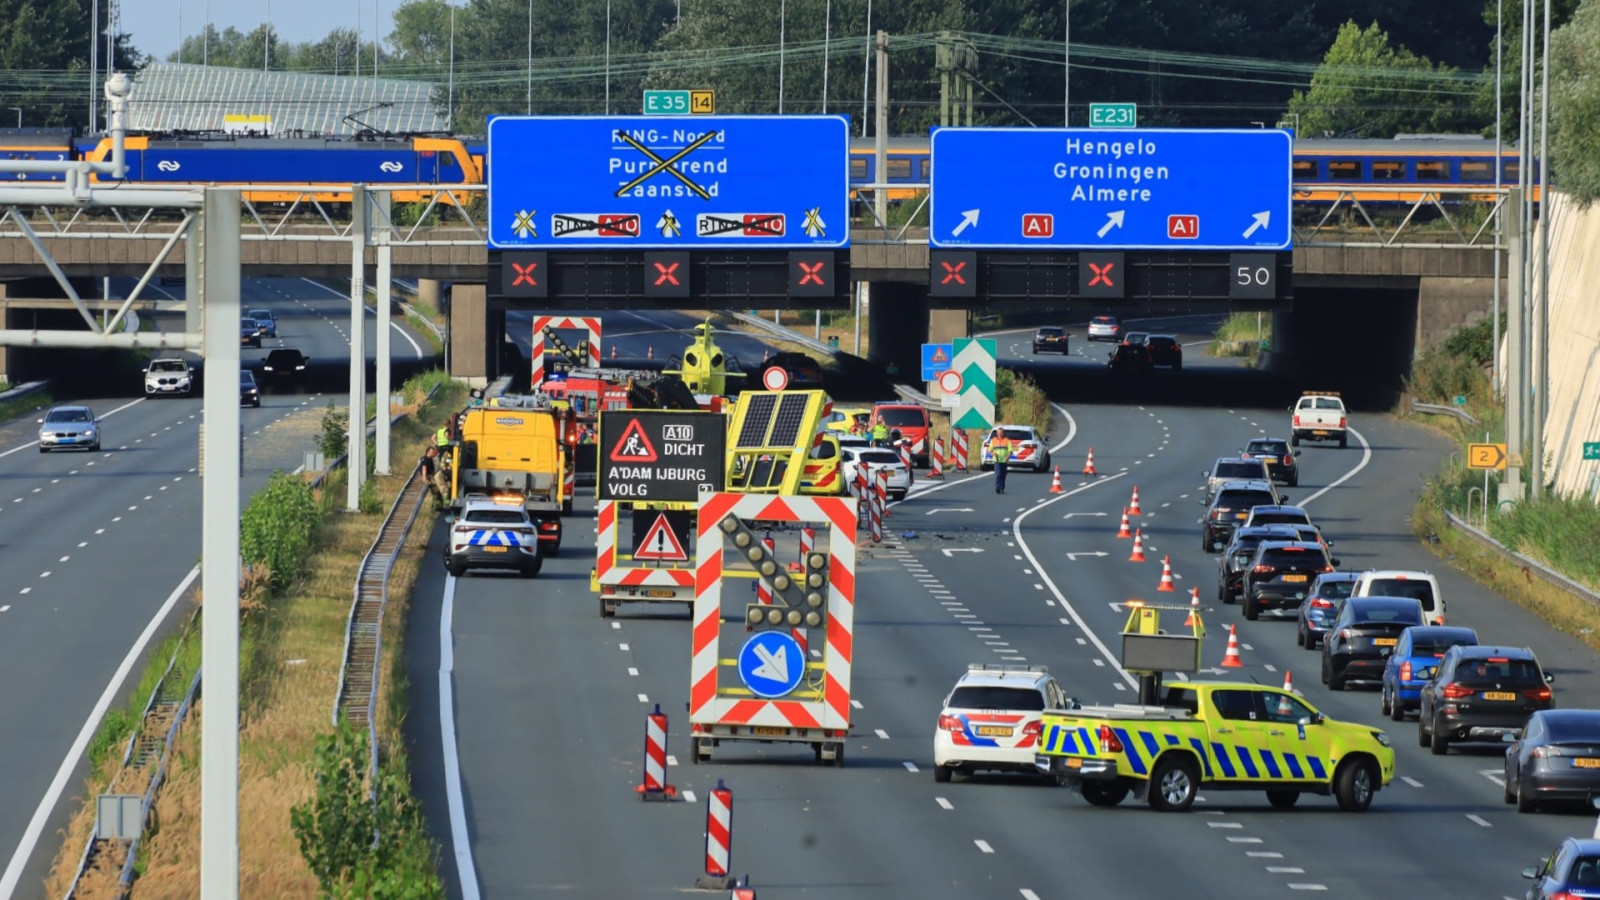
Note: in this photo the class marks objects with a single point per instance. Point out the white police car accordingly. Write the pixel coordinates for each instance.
(1027, 448)
(490, 535)
(993, 718)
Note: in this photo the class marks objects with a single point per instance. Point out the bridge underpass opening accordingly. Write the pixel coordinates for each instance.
(1358, 342)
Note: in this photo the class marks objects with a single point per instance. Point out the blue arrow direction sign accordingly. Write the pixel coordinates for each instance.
(648, 182)
(771, 664)
(1080, 188)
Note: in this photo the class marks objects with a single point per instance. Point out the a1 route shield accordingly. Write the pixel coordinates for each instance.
(648, 182)
(1079, 188)
(771, 664)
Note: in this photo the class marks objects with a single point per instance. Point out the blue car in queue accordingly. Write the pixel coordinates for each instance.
(1321, 607)
(1414, 660)
(1572, 872)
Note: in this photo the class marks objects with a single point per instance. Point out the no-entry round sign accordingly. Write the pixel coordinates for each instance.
(950, 381)
(775, 379)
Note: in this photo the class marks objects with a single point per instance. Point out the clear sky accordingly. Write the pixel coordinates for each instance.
(156, 24)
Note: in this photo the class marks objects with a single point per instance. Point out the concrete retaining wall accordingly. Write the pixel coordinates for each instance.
(1574, 347)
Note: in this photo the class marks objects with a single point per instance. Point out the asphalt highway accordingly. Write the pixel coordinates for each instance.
(96, 547)
(547, 703)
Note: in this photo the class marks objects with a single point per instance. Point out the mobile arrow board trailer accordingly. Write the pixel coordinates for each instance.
(753, 676)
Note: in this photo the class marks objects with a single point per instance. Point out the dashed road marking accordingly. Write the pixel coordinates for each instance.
(1286, 870)
(1478, 820)
(622, 647)
(26, 590)
(1029, 895)
(983, 846)
(910, 766)
(632, 672)
(1224, 824)
(644, 698)
(882, 735)
(688, 796)
(1307, 887)
(1263, 854)
(1411, 781)
(1245, 840)
(1495, 775)
(943, 803)
(855, 704)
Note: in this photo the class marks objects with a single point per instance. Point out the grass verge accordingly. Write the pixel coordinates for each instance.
(1559, 532)
(835, 324)
(292, 645)
(1242, 334)
(20, 407)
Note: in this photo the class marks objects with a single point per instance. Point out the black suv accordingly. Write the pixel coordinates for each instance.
(285, 364)
(1480, 693)
(1359, 642)
(1130, 358)
(1278, 457)
(1240, 551)
(1229, 508)
(1050, 337)
(1164, 350)
(1280, 574)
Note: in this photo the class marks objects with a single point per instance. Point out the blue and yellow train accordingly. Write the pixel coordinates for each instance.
(1368, 170)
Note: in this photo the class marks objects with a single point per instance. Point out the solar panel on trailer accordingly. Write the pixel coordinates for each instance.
(791, 414)
(757, 416)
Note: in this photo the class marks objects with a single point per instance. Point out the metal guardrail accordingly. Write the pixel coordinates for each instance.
(1441, 410)
(362, 659)
(1530, 566)
(154, 703)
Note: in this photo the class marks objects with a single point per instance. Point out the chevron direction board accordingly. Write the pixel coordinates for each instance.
(974, 359)
(669, 182)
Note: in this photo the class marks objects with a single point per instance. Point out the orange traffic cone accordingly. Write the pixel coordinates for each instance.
(1088, 465)
(1124, 531)
(1166, 575)
(1230, 659)
(1133, 508)
(1055, 483)
(1285, 708)
(1194, 608)
(1138, 548)
(1288, 681)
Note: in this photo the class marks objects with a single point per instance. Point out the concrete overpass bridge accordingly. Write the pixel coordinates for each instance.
(1439, 272)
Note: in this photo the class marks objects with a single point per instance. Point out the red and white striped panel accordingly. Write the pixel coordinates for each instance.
(706, 706)
(588, 323)
(609, 572)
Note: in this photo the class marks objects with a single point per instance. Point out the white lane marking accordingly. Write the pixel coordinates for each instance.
(69, 764)
(1411, 781)
(1080, 641)
(1263, 854)
(855, 704)
(1495, 775)
(1099, 662)
(622, 647)
(1224, 824)
(1119, 685)
(910, 766)
(632, 672)
(1307, 887)
(644, 698)
(1269, 667)
(44, 574)
(460, 838)
(617, 626)
(1478, 820)
(1366, 457)
(1244, 840)
(26, 590)
(1286, 870)
(688, 796)
(21, 447)
(983, 846)
(882, 735)
(1066, 621)
(6, 608)
(671, 760)
(63, 559)
(943, 803)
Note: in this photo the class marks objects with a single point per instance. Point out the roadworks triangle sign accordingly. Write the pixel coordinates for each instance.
(634, 445)
(940, 356)
(661, 544)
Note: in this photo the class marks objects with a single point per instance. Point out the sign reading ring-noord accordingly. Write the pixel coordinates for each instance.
(653, 182)
(661, 456)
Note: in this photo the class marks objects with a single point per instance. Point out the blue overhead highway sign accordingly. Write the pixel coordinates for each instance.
(647, 182)
(1140, 189)
(771, 664)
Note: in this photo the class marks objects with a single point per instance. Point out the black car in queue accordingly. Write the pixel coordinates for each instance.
(1236, 557)
(1278, 457)
(1279, 576)
(1321, 607)
(1229, 509)
(1363, 636)
(1050, 337)
(1479, 693)
(1164, 350)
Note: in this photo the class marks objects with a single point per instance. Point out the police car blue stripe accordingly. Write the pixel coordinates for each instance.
(1089, 747)
(1172, 740)
(1248, 763)
(1132, 752)
(1223, 761)
(1294, 765)
(1271, 764)
(1067, 740)
(1200, 751)
(1316, 768)
(1150, 743)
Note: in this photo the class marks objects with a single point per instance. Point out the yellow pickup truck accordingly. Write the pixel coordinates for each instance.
(1215, 736)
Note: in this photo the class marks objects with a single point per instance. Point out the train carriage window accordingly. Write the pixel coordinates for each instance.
(1433, 170)
(858, 168)
(899, 168)
(1307, 170)
(923, 167)
(1344, 170)
(1388, 170)
(1512, 169)
(1480, 170)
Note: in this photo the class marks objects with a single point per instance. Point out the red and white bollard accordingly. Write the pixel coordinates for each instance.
(936, 459)
(743, 890)
(882, 493)
(904, 448)
(655, 786)
(719, 839)
(960, 448)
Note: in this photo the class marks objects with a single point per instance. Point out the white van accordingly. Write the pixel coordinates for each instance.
(1421, 586)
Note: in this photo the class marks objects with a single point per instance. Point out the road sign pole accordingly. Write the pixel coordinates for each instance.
(383, 352)
(356, 442)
